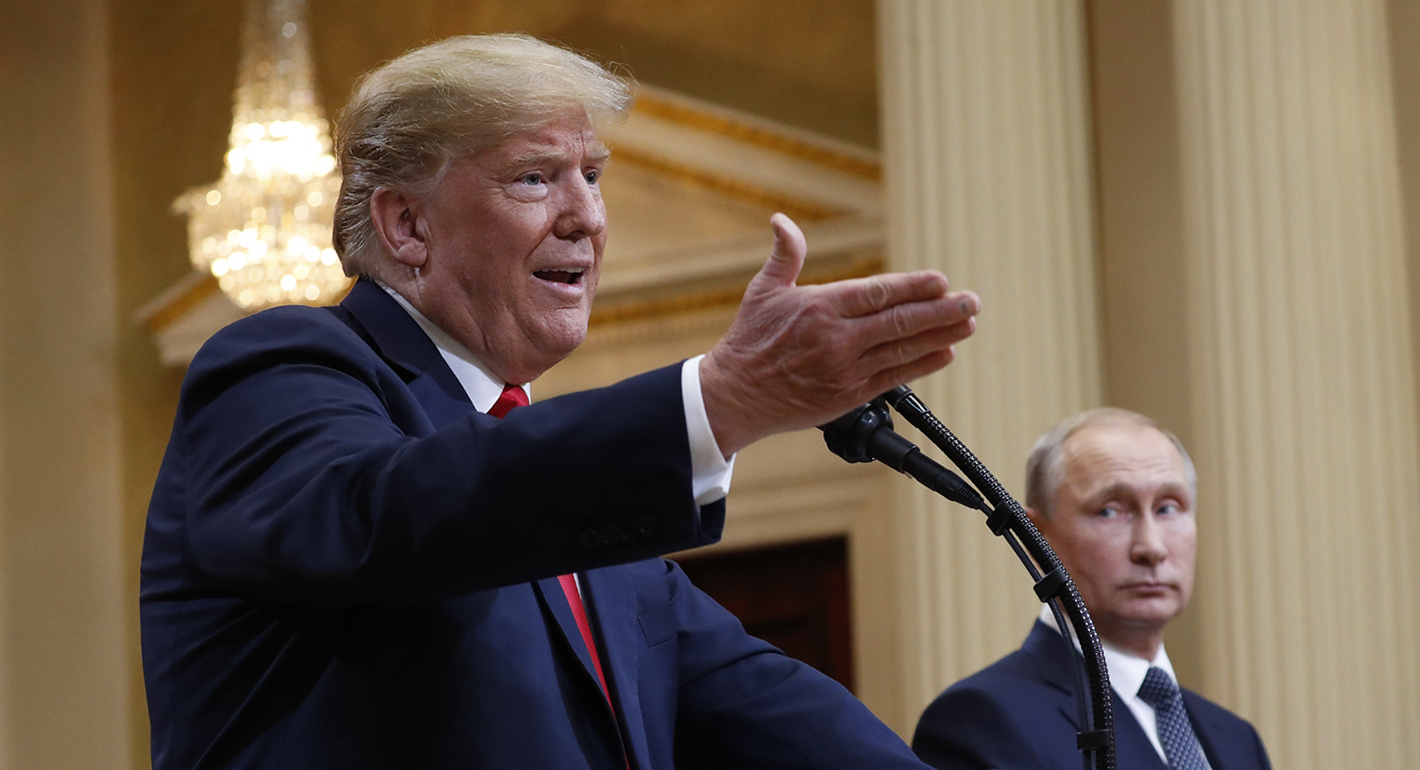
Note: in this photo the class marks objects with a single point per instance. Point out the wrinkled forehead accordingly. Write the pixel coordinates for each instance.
(1117, 459)
(569, 138)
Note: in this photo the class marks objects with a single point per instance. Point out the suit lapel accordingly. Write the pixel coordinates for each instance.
(397, 338)
(565, 624)
(1216, 759)
(1131, 746)
(615, 623)
(1054, 661)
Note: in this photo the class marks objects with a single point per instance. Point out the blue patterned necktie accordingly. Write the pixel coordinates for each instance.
(1175, 733)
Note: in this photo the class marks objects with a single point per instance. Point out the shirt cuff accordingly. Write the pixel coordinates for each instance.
(710, 471)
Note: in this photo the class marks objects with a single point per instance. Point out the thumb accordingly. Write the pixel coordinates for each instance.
(790, 249)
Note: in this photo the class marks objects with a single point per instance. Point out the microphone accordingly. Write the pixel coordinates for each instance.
(865, 434)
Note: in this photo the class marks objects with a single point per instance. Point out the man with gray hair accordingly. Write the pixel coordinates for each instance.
(366, 550)
(1114, 494)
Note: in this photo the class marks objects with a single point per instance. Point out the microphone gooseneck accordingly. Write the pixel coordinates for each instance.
(865, 434)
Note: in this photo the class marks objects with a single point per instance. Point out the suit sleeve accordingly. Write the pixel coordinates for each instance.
(310, 474)
(743, 703)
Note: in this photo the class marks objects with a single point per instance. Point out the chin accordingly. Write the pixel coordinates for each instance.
(557, 344)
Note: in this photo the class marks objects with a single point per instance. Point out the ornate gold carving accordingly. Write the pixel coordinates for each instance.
(692, 300)
(179, 306)
(798, 209)
(716, 124)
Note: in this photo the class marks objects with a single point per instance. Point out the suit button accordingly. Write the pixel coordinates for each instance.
(610, 534)
(590, 539)
(647, 524)
(630, 531)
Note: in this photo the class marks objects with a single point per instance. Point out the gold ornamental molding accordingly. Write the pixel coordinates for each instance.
(675, 111)
(694, 300)
(799, 209)
(183, 299)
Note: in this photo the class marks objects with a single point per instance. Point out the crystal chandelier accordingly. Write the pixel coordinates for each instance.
(264, 229)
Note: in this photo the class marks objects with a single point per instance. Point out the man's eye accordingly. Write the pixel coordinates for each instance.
(1168, 508)
(593, 176)
(1107, 512)
(531, 179)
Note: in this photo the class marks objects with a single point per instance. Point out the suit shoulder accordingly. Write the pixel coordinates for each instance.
(1006, 692)
(1201, 707)
(1213, 713)
(1014, 671)
(287, 334)
(275, 328)
(1227, 734)
(1004, 715)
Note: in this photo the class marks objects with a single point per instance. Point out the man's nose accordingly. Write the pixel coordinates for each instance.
(1147, 544)
(581, 213)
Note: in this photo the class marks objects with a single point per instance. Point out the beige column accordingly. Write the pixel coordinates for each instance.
(986, 138)
(63, 659)
(1303, 401)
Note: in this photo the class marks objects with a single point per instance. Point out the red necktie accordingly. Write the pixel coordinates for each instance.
(514, 396)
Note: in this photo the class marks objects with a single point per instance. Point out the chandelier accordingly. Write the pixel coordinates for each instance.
(264, 229)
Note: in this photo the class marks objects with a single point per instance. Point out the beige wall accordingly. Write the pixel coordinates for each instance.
(129, 110)
(1256, 297)
(988, 176)
(64, 660)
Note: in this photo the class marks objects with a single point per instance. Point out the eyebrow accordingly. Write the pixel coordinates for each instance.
(1119, 490)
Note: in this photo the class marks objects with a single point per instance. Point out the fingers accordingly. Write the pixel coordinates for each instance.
(790, 250)
(902, 352)
(907, 320)
(865, 296)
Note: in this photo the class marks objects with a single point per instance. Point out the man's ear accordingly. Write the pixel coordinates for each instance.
(396, 219)
(1035, 518)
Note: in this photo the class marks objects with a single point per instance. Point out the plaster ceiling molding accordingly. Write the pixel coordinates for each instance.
(689, 193)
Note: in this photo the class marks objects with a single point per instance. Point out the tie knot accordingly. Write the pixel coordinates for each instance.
(1158, 690)
(512, 395)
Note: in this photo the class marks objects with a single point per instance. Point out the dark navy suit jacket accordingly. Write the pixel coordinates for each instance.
(1020, 712)
(346, 566)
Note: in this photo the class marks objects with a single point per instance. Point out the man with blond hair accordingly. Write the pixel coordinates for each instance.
(366, 550)
(1114, 494)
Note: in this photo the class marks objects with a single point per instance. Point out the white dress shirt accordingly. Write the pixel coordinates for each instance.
(1126, 676)
(710, 471)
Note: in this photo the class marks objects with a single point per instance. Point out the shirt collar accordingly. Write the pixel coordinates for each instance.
(481, 385)
(1126, 670)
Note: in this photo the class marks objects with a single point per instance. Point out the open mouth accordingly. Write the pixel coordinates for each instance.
(560, 276)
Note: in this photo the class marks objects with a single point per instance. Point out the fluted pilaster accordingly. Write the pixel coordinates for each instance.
(987, 150)
(1302, 381)
(65, 696)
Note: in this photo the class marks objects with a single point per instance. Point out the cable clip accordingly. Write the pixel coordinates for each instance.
(1094, 740)
(1050, 584)
(999, 520)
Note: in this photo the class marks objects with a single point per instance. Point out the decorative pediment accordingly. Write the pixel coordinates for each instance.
(689, 194)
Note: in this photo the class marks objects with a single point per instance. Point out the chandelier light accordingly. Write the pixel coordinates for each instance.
(264, 229)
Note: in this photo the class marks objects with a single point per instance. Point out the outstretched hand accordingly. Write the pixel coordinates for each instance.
(799, 356)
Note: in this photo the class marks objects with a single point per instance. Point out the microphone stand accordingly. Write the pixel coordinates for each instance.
(865, 434)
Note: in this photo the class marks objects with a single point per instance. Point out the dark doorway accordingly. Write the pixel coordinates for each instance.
(793, 596)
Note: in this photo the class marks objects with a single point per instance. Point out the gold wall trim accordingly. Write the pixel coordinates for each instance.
(674, 112)
(797, 208)
(693, 300)
(182, 304)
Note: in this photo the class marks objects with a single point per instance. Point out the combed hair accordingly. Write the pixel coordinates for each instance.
(410, 117)
(1045, 468)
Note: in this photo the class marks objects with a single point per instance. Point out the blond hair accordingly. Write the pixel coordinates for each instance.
(410, 117)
